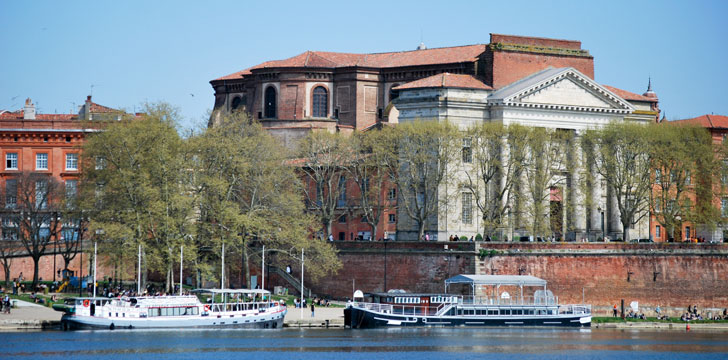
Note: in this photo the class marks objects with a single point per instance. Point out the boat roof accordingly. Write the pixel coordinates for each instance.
(519, 280)
(231, 291)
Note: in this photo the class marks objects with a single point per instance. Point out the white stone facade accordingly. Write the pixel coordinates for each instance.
(561, 99)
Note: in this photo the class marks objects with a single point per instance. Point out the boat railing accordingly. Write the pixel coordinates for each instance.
(510, 301)
(242, 306)
(397, 309)
(575, 309)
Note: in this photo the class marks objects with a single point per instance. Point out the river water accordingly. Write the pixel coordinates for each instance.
(400, 344)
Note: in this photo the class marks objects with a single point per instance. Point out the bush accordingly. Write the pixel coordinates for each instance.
(478, 237)
(463, 238)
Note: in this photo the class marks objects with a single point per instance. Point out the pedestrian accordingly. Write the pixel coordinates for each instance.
(427, 237)
(614, 310)
(288, 269)
(312, 308)
(15, 287)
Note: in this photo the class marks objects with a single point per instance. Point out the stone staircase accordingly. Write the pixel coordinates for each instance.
(295, 283)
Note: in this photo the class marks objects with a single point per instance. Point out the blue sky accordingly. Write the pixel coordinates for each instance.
(129, 52)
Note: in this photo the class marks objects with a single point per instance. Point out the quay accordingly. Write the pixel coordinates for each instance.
(29, 316)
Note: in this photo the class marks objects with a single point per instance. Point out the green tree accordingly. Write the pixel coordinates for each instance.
(544, 170)
(134, 188)
(247, 190)
(425, 155)
(498, 158)
(684, 162)
(623, 160)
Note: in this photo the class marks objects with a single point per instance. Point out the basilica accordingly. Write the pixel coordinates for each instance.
(530, 81)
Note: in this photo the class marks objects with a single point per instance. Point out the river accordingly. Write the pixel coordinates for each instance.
(400, 344)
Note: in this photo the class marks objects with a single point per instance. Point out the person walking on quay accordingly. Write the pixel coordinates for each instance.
(312, 308)
(614, 311)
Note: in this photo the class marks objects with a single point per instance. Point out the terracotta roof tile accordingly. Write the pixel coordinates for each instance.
(96, 108)
(446, 55)
(446, 80)
(706, 121)
(18, 115)
(624, 94)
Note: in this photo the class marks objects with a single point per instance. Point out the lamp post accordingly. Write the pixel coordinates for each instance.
(601, 211)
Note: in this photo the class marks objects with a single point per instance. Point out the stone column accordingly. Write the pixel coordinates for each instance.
(577, 215)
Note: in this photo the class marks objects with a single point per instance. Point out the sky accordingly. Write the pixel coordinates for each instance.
(126, 53)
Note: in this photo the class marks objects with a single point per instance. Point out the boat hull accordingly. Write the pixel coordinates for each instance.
(262, 321)
(358, 318)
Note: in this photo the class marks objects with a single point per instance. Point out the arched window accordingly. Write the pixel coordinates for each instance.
(270, 102)
(235, 104)
(320, 101)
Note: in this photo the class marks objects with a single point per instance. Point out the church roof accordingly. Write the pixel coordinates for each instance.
(446, 80)
(706, 121)
(445, 55)
(624, 94)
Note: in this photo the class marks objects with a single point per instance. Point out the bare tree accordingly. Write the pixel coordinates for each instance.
(36, 215)
(323, 161)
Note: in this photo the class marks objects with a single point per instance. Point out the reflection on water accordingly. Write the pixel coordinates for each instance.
(319, 344)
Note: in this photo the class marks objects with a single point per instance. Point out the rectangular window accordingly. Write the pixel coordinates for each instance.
(11, 161)
(341, 202)
(41, 161)
(365, 187)
(100, 163)
(392, 194)
(658, 205)
(723, 207)
(658, 176)
(688, 181)
(392, 218)
(467, 213)
(658, 231)
(687, 232)
(342, 219)
(71, 161)
(41, 194)
(11, 193)
(467, 151)
(71, 190)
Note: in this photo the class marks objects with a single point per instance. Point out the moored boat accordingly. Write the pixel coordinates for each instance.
(220, 308)
(499, 308)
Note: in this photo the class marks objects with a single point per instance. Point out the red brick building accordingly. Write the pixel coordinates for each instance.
(345, 92)
(46, 144)
(717, 125)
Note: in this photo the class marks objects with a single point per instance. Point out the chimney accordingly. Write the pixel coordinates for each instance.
(29, 110)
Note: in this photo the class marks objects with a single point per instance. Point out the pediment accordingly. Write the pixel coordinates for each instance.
(566, 92)
(564, 88)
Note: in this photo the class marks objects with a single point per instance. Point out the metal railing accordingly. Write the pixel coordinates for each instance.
(575, 309)
(526, 300)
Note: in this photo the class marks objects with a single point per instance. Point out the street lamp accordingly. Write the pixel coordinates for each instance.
(601, 211)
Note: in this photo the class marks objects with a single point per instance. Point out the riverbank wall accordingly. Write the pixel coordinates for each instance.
(669, 275)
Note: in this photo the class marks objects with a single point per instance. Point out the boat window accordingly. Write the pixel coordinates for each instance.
(505, 311)
(492, 312)
(165, 311)
(518, 312)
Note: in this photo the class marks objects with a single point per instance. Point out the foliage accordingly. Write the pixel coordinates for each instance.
(134, 190)
(323, 162)
(498, 158)
(421, 162)
(684, 169)
(246, 189)
(623, 160)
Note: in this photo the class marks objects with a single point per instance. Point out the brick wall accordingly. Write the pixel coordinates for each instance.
(670, 275)
(508, 66)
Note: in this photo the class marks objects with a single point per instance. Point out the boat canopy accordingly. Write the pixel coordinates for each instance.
(516, 280)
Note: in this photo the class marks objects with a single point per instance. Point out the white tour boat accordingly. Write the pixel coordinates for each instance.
(219, 308)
